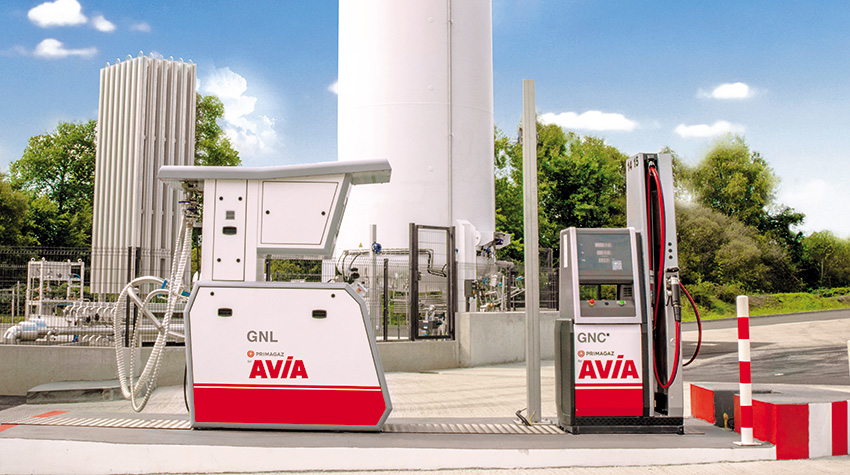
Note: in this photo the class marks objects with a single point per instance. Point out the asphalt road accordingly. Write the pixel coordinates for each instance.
(804, 348)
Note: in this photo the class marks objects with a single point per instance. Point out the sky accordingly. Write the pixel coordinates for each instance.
(642, 75)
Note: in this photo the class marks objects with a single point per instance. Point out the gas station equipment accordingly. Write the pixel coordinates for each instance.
(618, 341)
(270, 354)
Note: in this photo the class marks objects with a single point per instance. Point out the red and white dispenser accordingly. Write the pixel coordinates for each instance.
(278, 355)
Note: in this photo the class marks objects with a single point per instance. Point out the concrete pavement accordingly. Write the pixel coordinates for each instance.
(457, 398)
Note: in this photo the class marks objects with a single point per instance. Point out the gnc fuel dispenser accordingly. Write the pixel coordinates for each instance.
(278, 355)
(617, 341)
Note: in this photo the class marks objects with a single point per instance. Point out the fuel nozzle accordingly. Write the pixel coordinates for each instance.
(673, 295)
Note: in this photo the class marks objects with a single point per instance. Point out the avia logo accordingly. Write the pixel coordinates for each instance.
(277, 369)
(598, 369)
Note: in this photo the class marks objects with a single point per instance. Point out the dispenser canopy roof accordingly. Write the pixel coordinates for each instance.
(362, 172)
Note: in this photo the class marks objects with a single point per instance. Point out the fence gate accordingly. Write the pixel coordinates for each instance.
(433, 282)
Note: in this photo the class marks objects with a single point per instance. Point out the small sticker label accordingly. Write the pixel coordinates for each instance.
(616, 265)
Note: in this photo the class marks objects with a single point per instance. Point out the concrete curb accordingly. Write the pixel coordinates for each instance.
(801, 423)
(87, 457)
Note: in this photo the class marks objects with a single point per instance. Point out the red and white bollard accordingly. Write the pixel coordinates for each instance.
(746, 381)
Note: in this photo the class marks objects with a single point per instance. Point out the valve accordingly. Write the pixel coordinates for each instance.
(673, 292)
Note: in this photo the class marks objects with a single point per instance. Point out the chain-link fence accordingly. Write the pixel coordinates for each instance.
(383, 279)
(46, 299)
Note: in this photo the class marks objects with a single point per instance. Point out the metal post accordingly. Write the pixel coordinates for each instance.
(532, 257)
(413, 310)
(373, 275)
(15, 298)
(127, 305)
(386, 297)
(508, 299)
(82, 280)
(451, 275)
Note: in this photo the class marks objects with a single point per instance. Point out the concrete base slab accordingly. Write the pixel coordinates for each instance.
(77, 449)
(75, 391)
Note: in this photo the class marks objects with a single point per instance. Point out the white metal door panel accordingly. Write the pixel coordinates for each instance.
(228, 238)
(296, 212)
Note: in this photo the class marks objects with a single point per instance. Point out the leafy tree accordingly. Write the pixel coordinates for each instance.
(717, 248)
(13, 214)
(49, 227)
(777, 226)
(738, 182)
(588, 185)
(827, 259)
(581, 182)
(508, 187)
(60, 166)
(212, 147)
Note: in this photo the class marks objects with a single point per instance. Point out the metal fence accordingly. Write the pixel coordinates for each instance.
(53, 305)
(383, 279)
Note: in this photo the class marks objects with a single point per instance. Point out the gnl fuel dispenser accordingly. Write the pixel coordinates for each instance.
(618, 340)
(278, 355)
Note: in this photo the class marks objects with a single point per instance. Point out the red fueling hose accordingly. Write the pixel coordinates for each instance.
(659, 279)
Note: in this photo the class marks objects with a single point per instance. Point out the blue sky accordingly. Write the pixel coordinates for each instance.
(643, 75)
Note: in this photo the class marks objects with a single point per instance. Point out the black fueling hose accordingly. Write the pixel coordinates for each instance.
(699, 325)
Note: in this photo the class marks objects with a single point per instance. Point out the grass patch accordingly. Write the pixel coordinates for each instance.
(772, 304)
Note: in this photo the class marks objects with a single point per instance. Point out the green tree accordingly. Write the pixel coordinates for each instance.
(49, 227)
(13, 215)
(735, 181)
(60, 166)
(720, 249)
(588, 187)
(581, 182)
(827, 259)
(508, 187)
(212, 147)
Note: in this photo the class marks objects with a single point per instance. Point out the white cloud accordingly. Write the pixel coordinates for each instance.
(58, 13)
(102, 24)
(590, 120)
(252, 134)
(704, 130)
(142, 26)
(334, 88)
(731, 90)
(823, 202)
(51, 48)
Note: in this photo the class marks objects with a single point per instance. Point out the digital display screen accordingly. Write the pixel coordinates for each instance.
(604, 252)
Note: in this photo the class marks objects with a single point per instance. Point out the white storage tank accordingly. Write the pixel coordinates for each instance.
(416, 88)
